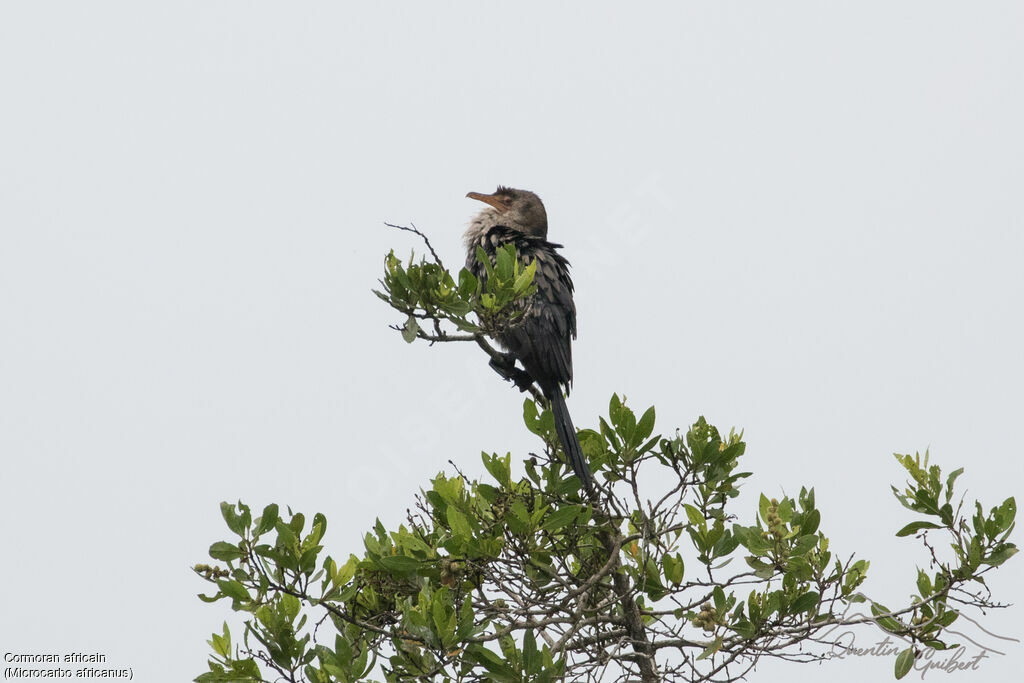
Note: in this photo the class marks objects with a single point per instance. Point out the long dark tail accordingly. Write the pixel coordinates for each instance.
(570, 444)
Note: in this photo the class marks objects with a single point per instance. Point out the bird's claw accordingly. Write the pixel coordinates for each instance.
(506, 367)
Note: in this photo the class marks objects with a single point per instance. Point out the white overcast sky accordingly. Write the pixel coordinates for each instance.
(803, 219)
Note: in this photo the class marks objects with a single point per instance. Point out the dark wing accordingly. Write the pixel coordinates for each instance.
(552, 320)
(542, 340)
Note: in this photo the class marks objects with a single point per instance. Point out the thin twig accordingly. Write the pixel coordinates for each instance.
(426, 240)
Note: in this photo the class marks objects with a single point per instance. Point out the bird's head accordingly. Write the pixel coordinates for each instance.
(520, 210)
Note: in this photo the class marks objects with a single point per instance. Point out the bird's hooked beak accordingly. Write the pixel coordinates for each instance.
(499, 202)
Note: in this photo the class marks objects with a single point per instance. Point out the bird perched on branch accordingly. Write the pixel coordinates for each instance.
(542, 339)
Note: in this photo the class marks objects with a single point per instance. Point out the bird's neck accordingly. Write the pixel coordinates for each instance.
(481, 223)
(488, 219)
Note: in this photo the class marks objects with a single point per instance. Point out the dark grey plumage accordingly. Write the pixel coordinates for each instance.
(542, 340)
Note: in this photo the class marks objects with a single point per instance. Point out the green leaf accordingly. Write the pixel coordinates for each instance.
(710, 649)
(949, 482)
(914, 527)
(974, 552)
(810, 522)
(346, 571)
(411, 328)
(752, 540)
(505, 259)
(804, 545)
(268, 519)
(718, 595)
(805, 602)
(1006, 513)
(222, 550)
(1002, 553)
(786, 510)
(725, 546)
(695, 516)
(560, 518)
(904, 662)
(319, 528)
(233, 589)
(465, 622)
(221, 644)
(499, 466)
(285, 534)
(483, 259)
(399, 564)
(762, 507)
(508, 648)
(518, 519)
(493, 662)
(924, 584)
(459, 524)
(646, 425)
(744, 628)
(886, 622)
(615, 410)
(450, 490)
(443, 617)
(531, 656)
(235, 521)
(525, 278)
(298, 521)
(290, 605)
(673, 567)
(467, 283)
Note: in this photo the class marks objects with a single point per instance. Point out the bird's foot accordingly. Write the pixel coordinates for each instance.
(506, 367)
